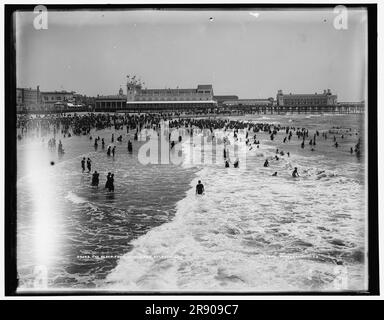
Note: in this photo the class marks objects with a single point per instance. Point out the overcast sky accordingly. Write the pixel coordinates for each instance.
(248, 53)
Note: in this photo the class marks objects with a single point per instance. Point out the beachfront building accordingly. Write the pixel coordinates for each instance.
(34, 100)
(248, 105)
(248, 102)
(179, 99)
(139, 99)
(220, 99)
(306, 102)
(52, 100)
(28, 99)
(111, 102)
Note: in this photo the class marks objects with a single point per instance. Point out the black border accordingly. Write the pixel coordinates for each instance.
(11, 160)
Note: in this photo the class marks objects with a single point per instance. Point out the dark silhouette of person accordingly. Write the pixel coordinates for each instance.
(95, 179)
(108, 180)
(111, 186)
(89, 165)
(199, 188)
(83, 164)
(295, 174)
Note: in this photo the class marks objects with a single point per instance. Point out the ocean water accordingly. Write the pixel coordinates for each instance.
(250, 231)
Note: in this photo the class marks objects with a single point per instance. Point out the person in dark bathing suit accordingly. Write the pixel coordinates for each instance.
(83, 164)
(89, 165)
(111, 186)
(108, 179)
(199, 188)
(95, 179)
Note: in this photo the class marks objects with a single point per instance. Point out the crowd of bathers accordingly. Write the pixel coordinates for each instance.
(82, 124)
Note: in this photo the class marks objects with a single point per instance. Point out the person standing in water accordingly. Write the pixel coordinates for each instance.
(108, 180)
(295, 174)
(89, 165)
(199, 188)
(95, 179)
(83, 164)
(113, 151)
(60, 149)
(111, 186)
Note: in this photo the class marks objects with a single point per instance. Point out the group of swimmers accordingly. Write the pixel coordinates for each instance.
(52, 146)
(95, 176)
(83, 124)
(89, 164)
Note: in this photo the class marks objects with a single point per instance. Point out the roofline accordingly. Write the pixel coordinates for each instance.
(57, 92)
(307, 94)
(164, 102)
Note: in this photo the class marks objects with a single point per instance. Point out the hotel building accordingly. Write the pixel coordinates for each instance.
(306, 100)
(28, 98)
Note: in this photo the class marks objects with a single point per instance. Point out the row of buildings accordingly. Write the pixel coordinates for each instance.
(30, 99)
(201, 98)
